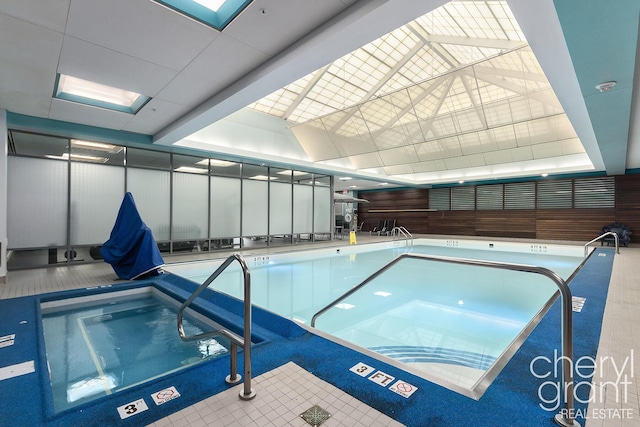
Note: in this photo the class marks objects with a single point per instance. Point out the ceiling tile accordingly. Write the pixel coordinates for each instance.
(87, 115)
(150, 118)
(140, 29)
(91, 62)
(51, 14)
(210, 72)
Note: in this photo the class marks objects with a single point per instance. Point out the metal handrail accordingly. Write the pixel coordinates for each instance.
(247, 393)
(615, 235)
(567, 416)
(396, 231)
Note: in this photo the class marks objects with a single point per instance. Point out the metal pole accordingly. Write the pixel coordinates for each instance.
(247, 393)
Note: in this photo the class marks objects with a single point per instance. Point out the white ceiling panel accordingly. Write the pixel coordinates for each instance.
(101, 65)
(264, 16)
(366, 161)
(497, 157)
(29, 44)
(50, 14)
(521, 153)
(87, 115)
(140, 28)
(430, 166)
(220, 64)
(28, 60)
(148, 120)
(398, 170)
(397, 156)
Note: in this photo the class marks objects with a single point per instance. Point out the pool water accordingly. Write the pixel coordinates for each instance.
(102, 349)
(448, 323)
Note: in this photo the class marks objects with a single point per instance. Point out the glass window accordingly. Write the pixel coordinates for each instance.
(148, 159)
(224, 168)
(96, 152)
(190, 164)
(36, 145)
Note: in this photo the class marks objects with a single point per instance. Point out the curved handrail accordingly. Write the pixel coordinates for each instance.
(245, 342)
(567, 416)
(615, 235)
(396, 231)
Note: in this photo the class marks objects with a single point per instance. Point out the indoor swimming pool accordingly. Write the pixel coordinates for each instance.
(455, 325)
(99, 345)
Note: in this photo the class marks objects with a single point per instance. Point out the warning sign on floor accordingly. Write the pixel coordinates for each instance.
(163, 396)
(403, 389)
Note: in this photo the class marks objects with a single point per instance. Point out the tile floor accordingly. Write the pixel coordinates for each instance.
(285, 393)
(279, 407)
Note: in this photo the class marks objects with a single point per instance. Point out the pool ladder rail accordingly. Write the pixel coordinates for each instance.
(397, 231)
(247, 393)
(608, 233)
(566, 417)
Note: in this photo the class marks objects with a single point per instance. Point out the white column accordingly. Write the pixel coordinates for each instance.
(3, 196)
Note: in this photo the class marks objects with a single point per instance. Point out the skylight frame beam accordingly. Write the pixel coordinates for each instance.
(401, 63)
(503, 44)
(308, 88)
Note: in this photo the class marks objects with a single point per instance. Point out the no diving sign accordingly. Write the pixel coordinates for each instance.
(163, 396)
(403, 389)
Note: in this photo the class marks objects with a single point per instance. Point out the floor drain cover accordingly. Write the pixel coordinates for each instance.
(315, 416)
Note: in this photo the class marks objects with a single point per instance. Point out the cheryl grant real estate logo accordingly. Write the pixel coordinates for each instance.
(591, 385)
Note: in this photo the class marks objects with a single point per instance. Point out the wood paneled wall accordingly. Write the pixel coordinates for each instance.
(410, 209)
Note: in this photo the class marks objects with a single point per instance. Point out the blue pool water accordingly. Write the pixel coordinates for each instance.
(99, 349)
(444, 321)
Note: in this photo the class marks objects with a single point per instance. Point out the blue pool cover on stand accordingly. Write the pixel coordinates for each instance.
(131, 249)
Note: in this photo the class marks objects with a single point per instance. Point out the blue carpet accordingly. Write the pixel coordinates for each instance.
(511, 399)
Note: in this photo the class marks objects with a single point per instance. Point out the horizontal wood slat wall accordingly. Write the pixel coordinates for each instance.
(409, 208)
(502, 223)
(572, 224)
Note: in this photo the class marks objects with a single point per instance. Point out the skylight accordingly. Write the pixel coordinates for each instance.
(214, 13)
(211, 4)
(98, 95)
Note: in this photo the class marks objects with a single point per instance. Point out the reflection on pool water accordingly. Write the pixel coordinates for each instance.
(448, 323)
(95, 348)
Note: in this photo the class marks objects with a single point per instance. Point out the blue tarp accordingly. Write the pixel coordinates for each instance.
(131, 249)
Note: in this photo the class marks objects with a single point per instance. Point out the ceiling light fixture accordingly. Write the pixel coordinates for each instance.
(98, 95)
(606, 86)
(100, 146)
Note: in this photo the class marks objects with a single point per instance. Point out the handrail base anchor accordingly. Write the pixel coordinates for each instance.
(252, 394)
(231, 380)
(565, 422)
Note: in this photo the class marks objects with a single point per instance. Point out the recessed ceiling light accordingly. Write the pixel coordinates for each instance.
(461, 181)
(100, 146)
(263, 177)
(190, 169)
(384, 183)
(345, 178)
(98, 95)
(216, 162)
(544, 175)
(295, 173)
